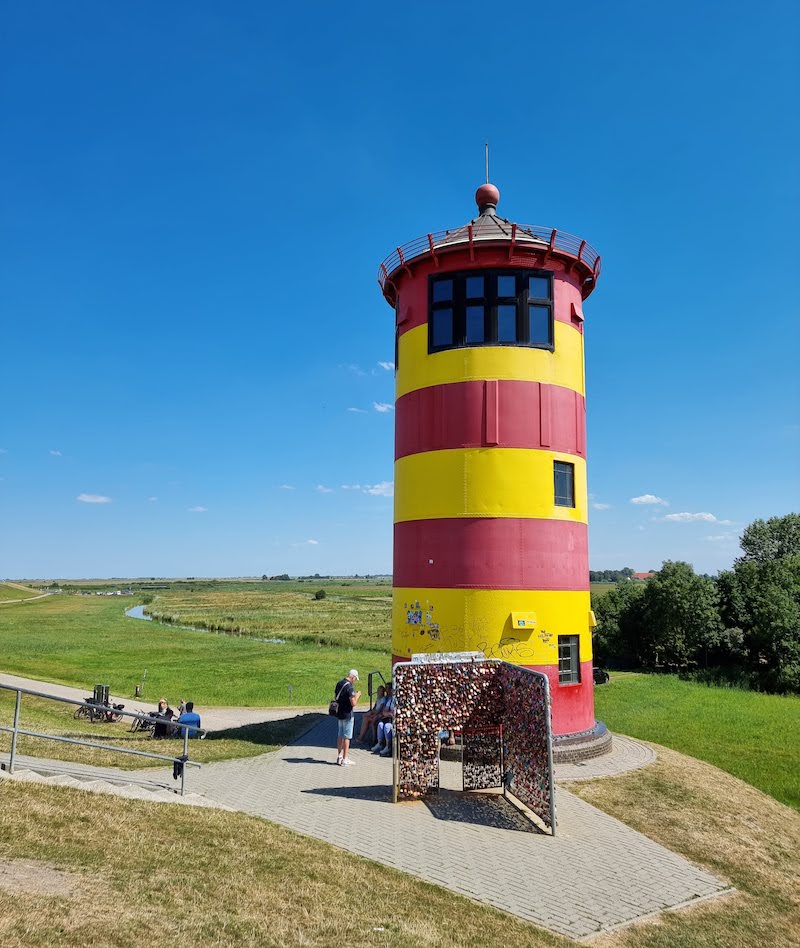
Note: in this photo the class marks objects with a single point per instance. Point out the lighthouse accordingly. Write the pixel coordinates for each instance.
(490, 516)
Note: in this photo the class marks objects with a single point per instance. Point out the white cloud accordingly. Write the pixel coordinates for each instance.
(287, 487)
(351, 487)
(57, 454)
(197, 509)
(719, 538)
(382, 406)
(601, 506)
(686, 517)
(384, 489)
(152, 499)
(93, 499)
(307, 543)
(322, 489)
(354, 368)
(650, 499)
(389, 366)
(358, 411)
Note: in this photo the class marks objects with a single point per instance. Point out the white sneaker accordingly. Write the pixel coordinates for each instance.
(348, 763)
(376, 748)
(386, 751)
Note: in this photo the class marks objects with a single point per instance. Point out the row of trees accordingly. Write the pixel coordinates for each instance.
(744, 624)
(610, 575)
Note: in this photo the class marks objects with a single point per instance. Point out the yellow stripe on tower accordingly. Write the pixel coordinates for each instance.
(484, 482)
(417, 368)
(456, 620)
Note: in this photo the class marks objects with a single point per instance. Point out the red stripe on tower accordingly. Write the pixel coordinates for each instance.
(493, 413)
(482, 553)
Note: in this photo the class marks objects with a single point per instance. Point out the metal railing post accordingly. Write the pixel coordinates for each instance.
(14, 733)
(185, 754)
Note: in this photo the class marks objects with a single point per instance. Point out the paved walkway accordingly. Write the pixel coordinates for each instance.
(214, 719)
(626, 755)
(595, 874)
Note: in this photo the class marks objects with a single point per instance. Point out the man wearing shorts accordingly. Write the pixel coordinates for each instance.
(347, 698)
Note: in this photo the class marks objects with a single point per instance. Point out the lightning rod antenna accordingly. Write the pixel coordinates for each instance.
(487, 162)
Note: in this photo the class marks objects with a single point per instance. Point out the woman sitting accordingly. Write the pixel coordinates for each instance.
(369, 718)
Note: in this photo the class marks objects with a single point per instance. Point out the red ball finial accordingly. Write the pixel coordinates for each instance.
(487, 194)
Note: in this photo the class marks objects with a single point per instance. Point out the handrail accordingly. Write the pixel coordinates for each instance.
(375, 671)
(555, 241)
(15, 730)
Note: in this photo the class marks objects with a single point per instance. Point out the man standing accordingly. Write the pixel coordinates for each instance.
(347, 699)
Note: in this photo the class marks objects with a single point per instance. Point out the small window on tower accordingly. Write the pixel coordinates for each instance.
(569, 660)
(564, 478)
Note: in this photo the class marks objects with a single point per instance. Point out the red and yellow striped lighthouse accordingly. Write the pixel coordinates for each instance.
(490, 533)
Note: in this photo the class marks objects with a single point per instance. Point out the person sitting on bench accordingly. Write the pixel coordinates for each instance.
(370, 718)
(163, 717)
(189, 716)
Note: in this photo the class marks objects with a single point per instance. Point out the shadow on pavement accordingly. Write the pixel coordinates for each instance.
(376, 794)
(268, 732)
(309, 760)
(479, 808)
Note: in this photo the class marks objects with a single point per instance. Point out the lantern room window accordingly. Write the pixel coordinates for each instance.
(491, 308)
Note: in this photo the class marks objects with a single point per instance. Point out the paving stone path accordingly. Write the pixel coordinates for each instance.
(626, 755)
(214, 719)
(594, 875)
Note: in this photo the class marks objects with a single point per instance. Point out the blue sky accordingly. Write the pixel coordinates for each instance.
(195, 199)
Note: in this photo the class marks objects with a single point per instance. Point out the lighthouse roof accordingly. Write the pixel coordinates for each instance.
(489, 229)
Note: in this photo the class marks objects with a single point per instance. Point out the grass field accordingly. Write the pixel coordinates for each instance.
(147, 875)
(753, 736)
(78, 641)
(353, 613)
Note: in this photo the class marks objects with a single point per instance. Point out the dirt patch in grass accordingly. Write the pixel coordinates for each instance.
(37, 878)
(722, 823)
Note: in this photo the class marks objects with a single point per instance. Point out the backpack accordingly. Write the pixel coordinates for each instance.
(333, 707)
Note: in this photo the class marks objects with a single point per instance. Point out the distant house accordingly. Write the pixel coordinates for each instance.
(643, 576)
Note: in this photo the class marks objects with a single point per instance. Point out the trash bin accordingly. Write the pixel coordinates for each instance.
(101, 693)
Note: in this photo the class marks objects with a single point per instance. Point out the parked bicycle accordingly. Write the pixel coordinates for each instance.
(99, 711)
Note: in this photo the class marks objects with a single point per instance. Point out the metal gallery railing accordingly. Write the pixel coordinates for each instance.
(16, 730)
(547, 238)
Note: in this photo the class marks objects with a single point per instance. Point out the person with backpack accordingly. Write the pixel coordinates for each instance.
(345, 700)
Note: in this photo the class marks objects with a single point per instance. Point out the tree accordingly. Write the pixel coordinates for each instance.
(762, 599)
(766, 540)
(681, 616)
(619, 624)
